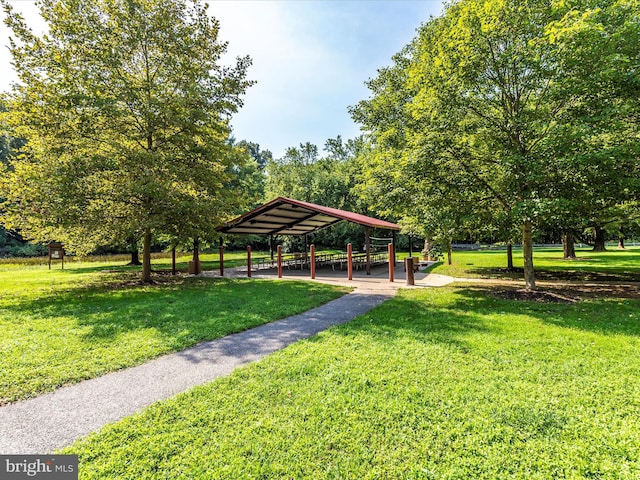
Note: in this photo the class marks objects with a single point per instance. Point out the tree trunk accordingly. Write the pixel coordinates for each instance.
(527, 253)
(599, 239)
(146, 256)
(568, 245)
(196, 256)
(510, 257)
(135, 258)
(621, 239)
(426, 250)
(448, 252)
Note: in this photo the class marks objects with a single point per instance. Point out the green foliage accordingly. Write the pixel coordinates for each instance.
(438, 383)
(63, 326)
(126, 111)
(302, 174)
(489, 119)
(262, 157)
(252, 177)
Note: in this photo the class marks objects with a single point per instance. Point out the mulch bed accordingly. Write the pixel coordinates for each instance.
(563, 293)
(566, 275)
(542, 296)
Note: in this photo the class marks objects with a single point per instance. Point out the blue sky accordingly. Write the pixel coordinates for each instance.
(310, 60)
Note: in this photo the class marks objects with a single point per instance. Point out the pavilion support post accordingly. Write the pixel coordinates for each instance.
(391, 261)
(279, 261)
(249, 261)
(221, 261)
(313, 261)
(173, 261)
(349, 261)
(393, 243)
(367, 247)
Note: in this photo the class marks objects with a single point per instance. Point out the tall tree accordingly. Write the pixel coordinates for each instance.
(126, 109)
(484, 96)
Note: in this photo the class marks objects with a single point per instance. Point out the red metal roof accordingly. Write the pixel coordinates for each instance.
(285, 216)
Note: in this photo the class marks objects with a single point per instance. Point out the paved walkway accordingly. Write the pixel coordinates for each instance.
(54, 420)
(377, 281)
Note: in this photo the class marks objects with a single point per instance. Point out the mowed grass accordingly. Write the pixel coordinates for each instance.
(622, 265)
(161, 261)
(60, 327)
(448, 383)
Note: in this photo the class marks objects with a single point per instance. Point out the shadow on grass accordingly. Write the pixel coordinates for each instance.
(182, 313)
(402, 318)
(609, 316)
(159, 267)
(472, 311)
(584, 274)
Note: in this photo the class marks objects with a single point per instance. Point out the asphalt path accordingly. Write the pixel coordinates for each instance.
(54, 420)
(51, 421)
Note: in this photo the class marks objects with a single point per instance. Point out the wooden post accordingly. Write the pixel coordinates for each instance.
(173, 261)
(194, 265)
(367, 247)
(349, 261)
(313, 261)
(408, 266)
(279, 261)
(391, 262)
(249, 261)
(221, 261)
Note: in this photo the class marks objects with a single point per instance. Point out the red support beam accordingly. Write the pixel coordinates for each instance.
(221, 261)
(313, 261)
(279, 261)
(349, 261)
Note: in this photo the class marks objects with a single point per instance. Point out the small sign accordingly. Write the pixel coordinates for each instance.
(56, 252)
(51, 467)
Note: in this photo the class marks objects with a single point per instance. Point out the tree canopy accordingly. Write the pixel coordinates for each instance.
(489, 109)
(126, 110)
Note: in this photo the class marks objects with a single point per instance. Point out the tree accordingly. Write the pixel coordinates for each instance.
(304, 174)
(126, 112)
(485, 97)
(262, 157)
(253, 172)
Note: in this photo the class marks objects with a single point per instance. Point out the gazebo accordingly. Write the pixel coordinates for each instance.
(286, 216)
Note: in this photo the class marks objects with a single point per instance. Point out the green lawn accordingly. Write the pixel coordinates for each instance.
(159, 261)
(440, 383)
(60, 327)
(614, 264)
